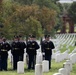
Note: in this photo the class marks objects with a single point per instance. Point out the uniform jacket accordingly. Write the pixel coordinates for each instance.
(47, 47)
(31, 48)
(17, 48)
(5, 47)
(22, 47)
(0, 47)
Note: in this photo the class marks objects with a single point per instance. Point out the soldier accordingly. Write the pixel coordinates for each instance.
(17, 50)
(0, 51)
(5, 47)
(47, 47)
(31, 48)
(22, 47)
(15, 46)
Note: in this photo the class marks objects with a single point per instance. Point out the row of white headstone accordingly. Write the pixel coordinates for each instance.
(68, 39)
(65, 55)
(58, 56)
(67, 68)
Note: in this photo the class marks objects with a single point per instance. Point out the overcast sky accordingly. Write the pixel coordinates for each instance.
(66, 1)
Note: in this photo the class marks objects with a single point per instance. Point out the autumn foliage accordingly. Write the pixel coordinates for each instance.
(28, 19)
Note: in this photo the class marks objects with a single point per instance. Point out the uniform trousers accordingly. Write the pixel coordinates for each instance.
(4, 63)
(15, 60)
(0, 63)
(31, 63)
(48, 57)
(21, 57)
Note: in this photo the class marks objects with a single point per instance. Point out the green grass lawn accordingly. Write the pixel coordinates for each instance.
(54, 69)
(64, 48)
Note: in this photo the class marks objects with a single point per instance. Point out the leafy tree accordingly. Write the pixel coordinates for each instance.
(25, 17)
(47, 19)
(34, 26)
(7, 10)
(42, 3)
(26, 2)
(0, 10)
(28, 19)
(52, 5)
(72, 12)
(0, 5)
(23, 21)
(47, 3)
(55, 1)
(1, 19)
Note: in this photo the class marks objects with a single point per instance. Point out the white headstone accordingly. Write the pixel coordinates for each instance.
(57, 58)
(20, 67)
(45, 66)
(69, 62)
(67, 67)
(39, 58)
(65, 55)
(73, 58)
(38, 69)
(57, 74)
(63, 71)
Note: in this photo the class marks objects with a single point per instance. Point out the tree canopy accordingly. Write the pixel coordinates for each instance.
(33, 17)
(72, 12)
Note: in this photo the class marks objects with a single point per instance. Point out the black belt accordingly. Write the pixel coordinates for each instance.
(3, 50)
(47, 48)
(31, 48)
(16, 48)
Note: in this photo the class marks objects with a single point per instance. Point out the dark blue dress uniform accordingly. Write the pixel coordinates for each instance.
(0, 54)
(17, 52)
(31, 48)
(15, 48)
(21, 52)
(5, 47)
(47, 47)
(22, 47)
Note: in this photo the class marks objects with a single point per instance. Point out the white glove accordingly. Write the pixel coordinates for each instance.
(43, 53)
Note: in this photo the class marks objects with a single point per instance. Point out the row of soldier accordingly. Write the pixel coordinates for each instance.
(17, 50)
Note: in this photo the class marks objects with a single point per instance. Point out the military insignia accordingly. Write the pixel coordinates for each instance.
(33, 43)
